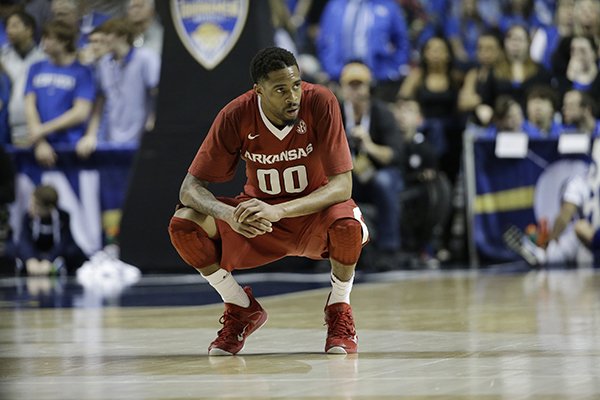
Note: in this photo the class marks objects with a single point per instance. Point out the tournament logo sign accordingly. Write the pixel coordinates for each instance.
(209, 29)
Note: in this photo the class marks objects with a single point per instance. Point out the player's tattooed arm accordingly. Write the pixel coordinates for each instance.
(194, 193)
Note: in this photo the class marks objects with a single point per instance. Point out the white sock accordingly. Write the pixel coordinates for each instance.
(230, 291)
(340, 292)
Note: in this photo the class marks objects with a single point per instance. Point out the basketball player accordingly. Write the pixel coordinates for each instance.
(296, 200)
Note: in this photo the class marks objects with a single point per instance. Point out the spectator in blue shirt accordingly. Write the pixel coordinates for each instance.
(463, 31)
(58, 96)
(127, 82)
(371, 31)
(519, 12)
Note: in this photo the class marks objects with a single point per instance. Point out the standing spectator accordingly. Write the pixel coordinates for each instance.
(46, 244)
(96, 48)
(58, 96)
(463, 32)
(5, 86)
(41, 12)
(128, 80)
(372, 31)
(147, 29)
(435, 13)
(21, 52)
(377, 148)
(78, 14)
(435, 84)
(518, 12)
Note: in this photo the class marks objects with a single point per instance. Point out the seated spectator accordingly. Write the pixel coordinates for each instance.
(376, 146)
(582, 67)
(147, 29)
(586, 23)
(541, 107)
(128, 81)
(578, 114)
(58, 97)
(587, 19)
(518, 73)
(45, 245)
(470, 96)
(508, 117)
(16, 57)
(588, 235)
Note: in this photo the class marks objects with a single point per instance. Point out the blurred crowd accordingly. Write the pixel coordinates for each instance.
(411, 76)
(77, 72)
(74, 74)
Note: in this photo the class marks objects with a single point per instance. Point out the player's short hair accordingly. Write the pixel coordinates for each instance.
(63, 32)
(268, 60)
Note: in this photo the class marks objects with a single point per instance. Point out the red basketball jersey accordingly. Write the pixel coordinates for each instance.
(280, 163)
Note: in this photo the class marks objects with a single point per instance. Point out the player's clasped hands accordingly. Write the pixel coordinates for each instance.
(254, 217)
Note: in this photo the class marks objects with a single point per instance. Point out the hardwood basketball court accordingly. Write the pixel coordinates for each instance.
(486, 335)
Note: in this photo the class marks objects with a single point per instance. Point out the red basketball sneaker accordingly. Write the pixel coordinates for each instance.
(341, 335)
(238, 323)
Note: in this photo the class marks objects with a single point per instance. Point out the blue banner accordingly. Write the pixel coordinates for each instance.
(518, 191)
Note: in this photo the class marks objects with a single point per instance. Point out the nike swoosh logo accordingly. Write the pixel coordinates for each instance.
(240, 336)
(252, 137)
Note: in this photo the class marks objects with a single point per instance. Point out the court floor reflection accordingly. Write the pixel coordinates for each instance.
(422, 335)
